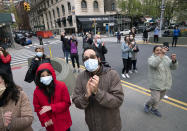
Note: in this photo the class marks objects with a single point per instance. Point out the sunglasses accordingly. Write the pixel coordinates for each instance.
(85, 58)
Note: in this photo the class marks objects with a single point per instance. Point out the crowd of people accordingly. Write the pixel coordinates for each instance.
(98, 89)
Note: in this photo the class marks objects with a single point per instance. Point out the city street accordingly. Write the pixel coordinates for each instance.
(136, 91)
(25, 24)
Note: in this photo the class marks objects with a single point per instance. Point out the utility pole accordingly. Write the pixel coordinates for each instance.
(162, 16)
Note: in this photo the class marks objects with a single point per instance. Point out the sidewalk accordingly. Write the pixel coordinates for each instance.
(132, 114)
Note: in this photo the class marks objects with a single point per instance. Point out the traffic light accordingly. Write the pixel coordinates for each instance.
(25, 5)
(28, 7)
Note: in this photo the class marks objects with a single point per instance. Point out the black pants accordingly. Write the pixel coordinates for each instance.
(73, 58)
(133, 64)
(41, 42)
(156, 38)
(126, 65)
(175, 38)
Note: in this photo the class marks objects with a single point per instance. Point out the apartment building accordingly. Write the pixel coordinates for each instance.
(72, 16)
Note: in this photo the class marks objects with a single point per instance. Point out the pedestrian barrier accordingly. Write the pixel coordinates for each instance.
(63, 72)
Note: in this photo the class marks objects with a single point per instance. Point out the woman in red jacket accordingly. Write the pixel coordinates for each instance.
(5, 59)
(51, 100)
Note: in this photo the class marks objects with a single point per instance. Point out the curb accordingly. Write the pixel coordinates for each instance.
(142, 43)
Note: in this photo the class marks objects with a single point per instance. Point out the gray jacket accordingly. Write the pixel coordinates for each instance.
(159, 73)
(134, 52)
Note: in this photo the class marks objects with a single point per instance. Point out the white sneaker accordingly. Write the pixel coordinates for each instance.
(127, 75)
(130, 72)
(135, 71)
(123, 76)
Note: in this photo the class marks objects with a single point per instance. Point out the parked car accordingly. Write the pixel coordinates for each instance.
(21, 39)
(29, 35)
(124, 32)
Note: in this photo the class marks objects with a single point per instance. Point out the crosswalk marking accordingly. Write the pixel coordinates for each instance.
(21, 56)
(34, 45)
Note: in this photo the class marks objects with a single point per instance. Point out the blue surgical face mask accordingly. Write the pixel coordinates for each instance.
(46, 80)
(91, 65)
(39, 54)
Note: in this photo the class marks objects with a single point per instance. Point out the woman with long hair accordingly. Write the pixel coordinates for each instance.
(126, 48)
(5, 59)
(51, 100)
(15, 109)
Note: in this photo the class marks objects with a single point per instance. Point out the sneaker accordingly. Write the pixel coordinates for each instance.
(135, 71)
(78, 70)
(147, 108)
(127, 75)
(130, 72)
(156, 112)
(74, 70)
(123, 76)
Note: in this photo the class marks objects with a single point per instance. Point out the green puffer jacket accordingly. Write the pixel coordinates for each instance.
(160, 72)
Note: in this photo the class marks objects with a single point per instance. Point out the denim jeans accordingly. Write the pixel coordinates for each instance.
(67, 54)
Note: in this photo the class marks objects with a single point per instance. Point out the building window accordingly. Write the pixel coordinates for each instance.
(95, 4)
(113, 6)
(69, 7)
(58, 11)
(48, 3)
(50, 15)
(52, 2)
(56, 1)
(54, 14)
(63, 10)
(83, 4)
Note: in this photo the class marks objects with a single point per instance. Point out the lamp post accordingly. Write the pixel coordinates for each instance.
(162, 15)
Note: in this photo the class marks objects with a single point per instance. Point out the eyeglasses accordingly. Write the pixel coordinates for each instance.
(91, 57)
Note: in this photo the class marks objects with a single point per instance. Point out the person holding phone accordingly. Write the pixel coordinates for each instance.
(160, 78)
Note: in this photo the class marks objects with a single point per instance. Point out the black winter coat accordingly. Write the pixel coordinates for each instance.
(30, 75)
(102, 50)
(66, 44)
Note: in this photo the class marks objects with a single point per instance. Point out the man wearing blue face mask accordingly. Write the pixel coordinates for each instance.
(99, 92)
(100, 47)
(36, 61)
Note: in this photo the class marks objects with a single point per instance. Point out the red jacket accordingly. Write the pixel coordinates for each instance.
(60, 104)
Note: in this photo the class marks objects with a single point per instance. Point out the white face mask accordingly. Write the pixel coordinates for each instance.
(91, 65)
(46, 80)
(39, 54)
(2, 89)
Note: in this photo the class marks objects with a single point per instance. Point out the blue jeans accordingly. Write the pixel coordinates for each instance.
(67, 53)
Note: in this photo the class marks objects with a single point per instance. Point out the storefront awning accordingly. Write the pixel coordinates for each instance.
(39, 26)
(5, 18)
(97, 19)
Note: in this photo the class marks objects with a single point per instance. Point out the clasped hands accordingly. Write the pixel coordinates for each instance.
(92, 86)
(44, 110)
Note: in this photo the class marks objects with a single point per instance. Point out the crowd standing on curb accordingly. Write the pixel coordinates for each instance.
(98, 89)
